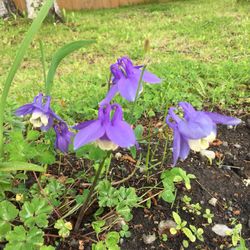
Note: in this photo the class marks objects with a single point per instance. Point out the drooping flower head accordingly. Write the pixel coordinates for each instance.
(63, 137)
(107, 131)
(42, 115)
(195, 130)
(126, 78)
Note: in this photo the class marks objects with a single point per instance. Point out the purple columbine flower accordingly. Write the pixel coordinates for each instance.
(63, 136)
(107, 132)
(195, 130)
(126, 78)
(42, 115)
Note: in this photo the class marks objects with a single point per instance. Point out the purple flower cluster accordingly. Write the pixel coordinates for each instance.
(193, 130)
(43, 117)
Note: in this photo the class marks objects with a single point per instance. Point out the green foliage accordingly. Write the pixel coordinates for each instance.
(191, 208)
(27, 148)
(5, 183)
(58, 57)
(8, 214)
(236, 234)
(110, 243)
(64, 228)
(169, 178)
(125, 231)
(35, 212)
(20, 239)
(97, 225)
(123, 199)
(181, 226)
(91, 152)
(208, 215)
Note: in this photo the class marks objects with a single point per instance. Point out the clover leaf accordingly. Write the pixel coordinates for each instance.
(8, 214)
(35, 213)
(20, 239)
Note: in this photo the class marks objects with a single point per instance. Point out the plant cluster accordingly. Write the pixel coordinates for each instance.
(45, 136)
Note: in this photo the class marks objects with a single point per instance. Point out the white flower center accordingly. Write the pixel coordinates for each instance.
(201, 144)
(106, 145)
(39, 119)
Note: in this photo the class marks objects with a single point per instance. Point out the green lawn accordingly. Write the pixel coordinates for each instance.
(201, 48)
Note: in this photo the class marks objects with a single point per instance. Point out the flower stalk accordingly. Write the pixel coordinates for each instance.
(84, 206)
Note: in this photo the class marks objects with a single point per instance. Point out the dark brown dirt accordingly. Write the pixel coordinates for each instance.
(222, 180)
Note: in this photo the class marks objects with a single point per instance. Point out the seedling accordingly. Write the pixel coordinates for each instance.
(208, 215)
(181, 227)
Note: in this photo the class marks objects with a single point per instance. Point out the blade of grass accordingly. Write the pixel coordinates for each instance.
(18, 59)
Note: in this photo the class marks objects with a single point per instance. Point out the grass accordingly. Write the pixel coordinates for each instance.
(199, 47)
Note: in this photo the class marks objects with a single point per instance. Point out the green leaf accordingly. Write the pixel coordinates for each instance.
(64, 228)
(20, 239)
(46, 157)
(23, 166)
(124, 211)
(112, 239)
(59, 55)
(168, 196)
(97, 225)
(47, 248)
(35, 212)
(32, 135)
(99, 246)
(189, 234)
(177, 218)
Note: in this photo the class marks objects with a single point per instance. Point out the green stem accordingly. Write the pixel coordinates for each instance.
(43, 60)
(20, 54)
(138, 89)
(84, 206)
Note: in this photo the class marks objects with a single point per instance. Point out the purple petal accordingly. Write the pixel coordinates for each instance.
(176, 146)
(83, 125)
(25, 109)
(222, 119)
(147, 76)
(150, 78)
(184, 149)
(89, 134)
(121, 134)
(113, 90)
(198, 126)
(128, 87)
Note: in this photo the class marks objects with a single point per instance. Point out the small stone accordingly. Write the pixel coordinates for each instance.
(221, 229)
(149, 239)
(213, 201)
(237, 145)
(118, 155)
(248, 157)
(165, 225)
(229, 127)
(225, 144)
(236, 212)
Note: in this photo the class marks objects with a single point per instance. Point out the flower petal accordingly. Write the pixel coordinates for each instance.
(89, 134)
(128, 87)
(176, 146)
(222, 119)
(121, 134)
(25, 109)
(198, 126)
(184, 149)
(113, 90)
(82, 125)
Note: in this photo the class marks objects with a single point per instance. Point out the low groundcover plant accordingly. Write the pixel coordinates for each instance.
(193, 130)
